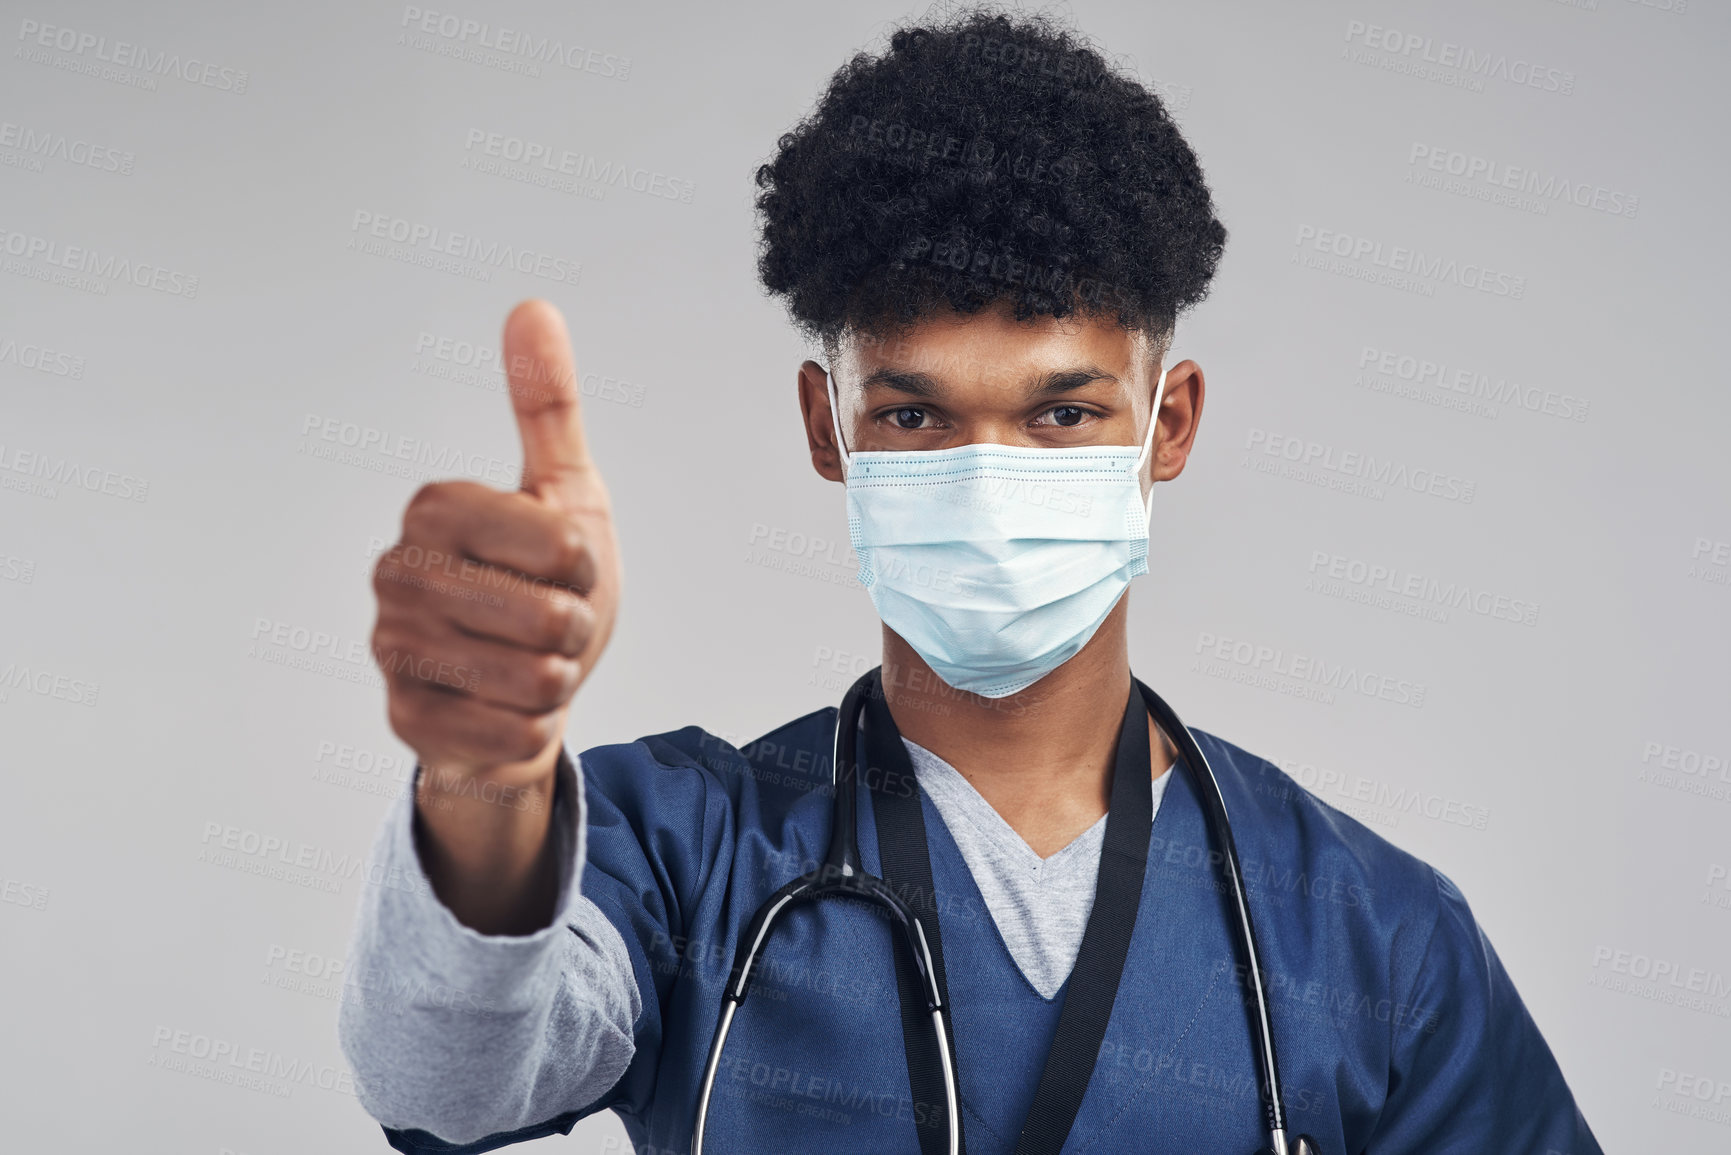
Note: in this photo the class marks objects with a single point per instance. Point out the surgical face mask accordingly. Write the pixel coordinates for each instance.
(997, 563)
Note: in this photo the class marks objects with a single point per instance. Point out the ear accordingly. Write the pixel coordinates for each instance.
(819, 429)
(1180, 413)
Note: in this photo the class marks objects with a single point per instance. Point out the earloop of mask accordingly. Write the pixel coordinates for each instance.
(1148, 447)
(835, 420)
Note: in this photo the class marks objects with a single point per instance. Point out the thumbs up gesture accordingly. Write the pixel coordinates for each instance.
(494, 606)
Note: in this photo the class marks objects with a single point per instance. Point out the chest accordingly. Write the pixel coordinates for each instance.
(816, 1060)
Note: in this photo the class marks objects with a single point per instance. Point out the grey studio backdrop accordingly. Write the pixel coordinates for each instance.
(1452, 547)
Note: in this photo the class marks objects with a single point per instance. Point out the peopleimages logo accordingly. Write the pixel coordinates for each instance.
(40, 358)
(45, 144)
(1517, 186)
(426, 244)
(385, 451)
(478, 365)
(46, 683)
(45, 473)
(91, 270)
(1405, 374)
(1670, 972)
(1710, 561)
(1430, 58)
(121, 54)
(1276, 668)
(514, 44)
(1378, 801)
(1420, 589)
(1397, 266)
(256, 1068)
(554, 161)
(1347, 469)
(1695, 1096)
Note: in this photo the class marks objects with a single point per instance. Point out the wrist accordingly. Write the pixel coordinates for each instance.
(484, 842)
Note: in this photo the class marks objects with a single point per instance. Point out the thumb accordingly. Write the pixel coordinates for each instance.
(543, 382)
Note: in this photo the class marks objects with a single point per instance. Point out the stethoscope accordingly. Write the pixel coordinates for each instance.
(841, 874)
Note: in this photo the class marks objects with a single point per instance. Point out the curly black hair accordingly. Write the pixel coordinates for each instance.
(987, 158)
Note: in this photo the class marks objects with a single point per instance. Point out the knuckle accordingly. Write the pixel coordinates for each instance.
(524, 744)
(555, 618)
(384, 642)
(569, 549)
(429, 508)
(387, 576)
(550, 680)
(406, 717)
(402, 660)
(538, 731)
(582, 629)
(514, 738)
(427, 498)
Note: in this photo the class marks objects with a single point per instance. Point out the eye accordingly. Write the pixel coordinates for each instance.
(1065, 416)
(909, 418)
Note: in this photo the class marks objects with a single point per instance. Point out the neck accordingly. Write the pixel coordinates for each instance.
(1042, 758)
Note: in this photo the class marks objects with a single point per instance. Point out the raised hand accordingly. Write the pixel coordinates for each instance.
(495, 606)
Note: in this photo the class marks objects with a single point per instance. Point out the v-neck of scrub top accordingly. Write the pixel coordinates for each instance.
(1040, 906)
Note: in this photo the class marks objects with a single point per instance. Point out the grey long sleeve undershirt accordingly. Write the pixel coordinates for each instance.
(465, 1034)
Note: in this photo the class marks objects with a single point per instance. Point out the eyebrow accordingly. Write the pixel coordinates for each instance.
(1055, 383)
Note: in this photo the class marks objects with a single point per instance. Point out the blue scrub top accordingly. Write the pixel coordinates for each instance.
(1396, 1026)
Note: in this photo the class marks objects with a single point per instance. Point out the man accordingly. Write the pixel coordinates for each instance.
(991, 233)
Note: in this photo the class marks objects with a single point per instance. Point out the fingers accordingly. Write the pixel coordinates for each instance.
(547, 619)
(448, 729)
(494, 606)
(484, 625)
(457, 522)
(484, 601)
(412, 655)
(543, 380)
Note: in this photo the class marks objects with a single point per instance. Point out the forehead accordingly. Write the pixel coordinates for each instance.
(992, 347)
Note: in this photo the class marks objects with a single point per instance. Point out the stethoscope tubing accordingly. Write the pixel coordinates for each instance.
(1214, 802)
(842, 871)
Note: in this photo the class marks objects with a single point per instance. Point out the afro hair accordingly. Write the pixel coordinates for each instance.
(986, 159)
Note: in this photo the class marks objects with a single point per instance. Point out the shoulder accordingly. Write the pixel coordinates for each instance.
(668, 811)
(678, 766)
(1271, 811)
(1306, 855)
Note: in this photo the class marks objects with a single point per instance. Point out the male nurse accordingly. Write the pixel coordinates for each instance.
(990, 231)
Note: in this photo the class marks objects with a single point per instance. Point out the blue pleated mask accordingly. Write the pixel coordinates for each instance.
(997, 563)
